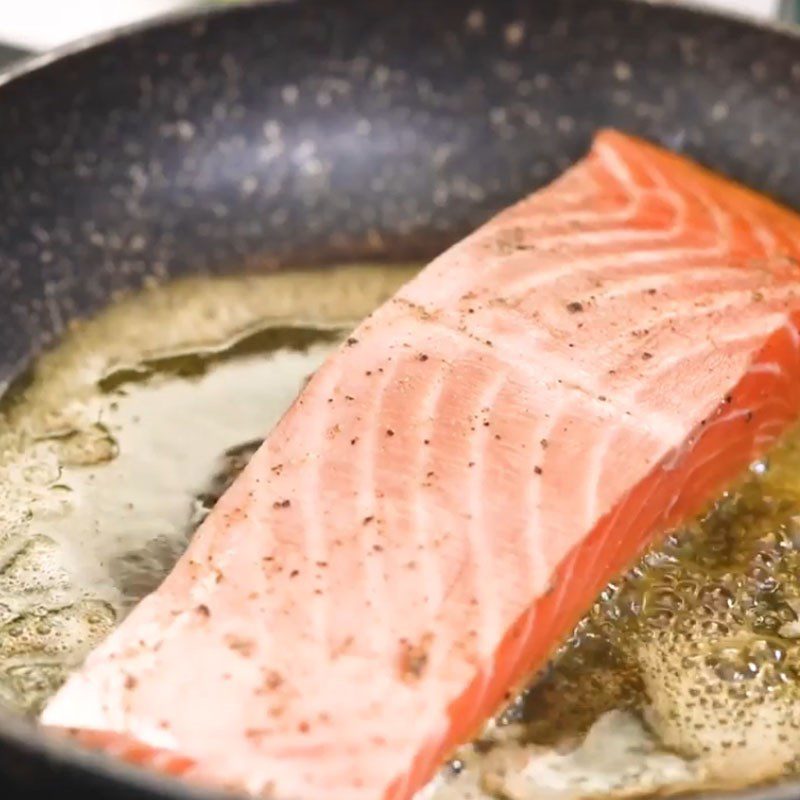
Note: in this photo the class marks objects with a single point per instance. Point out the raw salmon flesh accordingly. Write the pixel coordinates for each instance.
(458, 482)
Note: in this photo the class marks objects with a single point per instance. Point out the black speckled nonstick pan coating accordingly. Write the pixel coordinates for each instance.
(328, 130)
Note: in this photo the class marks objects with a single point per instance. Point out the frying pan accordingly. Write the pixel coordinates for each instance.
(314, 132)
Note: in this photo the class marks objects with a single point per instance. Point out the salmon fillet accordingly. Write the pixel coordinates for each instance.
(458, 482)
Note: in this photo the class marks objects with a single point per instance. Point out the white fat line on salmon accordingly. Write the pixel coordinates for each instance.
(794, 334)
(767, 239)
(765, 367)
(697, 469)
(541, 231)
(615, 165)
(651, 451)
(625, 284)
(528, 427)
(495, 234)
(662, 183)
(676, 311)
(674, 459)
(537, 278)
(612, 227)
(717, 252)
(613, 526)
(760, 328)
(768, 434)
(537, 572)
(722, 217)
(723, 301)
(668, 186)
(593, 464)
(607, 237)
(483, 563)
(372, 560)
(429, 410)
(395, 555)
(547, 373)
(313, 528)
(745, 414)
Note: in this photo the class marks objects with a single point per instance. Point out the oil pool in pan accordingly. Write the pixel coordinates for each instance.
(685, 674)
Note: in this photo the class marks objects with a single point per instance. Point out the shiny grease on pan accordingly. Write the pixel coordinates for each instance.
(684, 674)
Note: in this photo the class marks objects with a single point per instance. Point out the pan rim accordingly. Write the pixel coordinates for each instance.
(61, 751)
(38, 61)
(35, 62)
